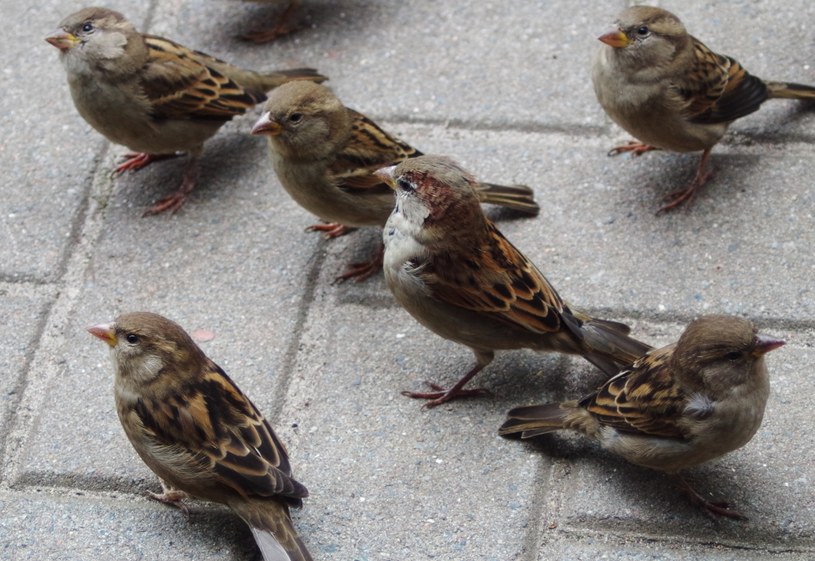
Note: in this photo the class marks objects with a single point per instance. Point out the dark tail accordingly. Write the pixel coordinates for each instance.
(534, 420)
(271, 526)
(609, 346)
(278, 77)
(516, 197)
(787, 90)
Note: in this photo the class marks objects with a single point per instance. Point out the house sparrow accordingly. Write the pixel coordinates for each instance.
(451, 268)
(671, 92)
(325, 156)
(676, 407)
(283, 26)
(153, 95)
(199, 433)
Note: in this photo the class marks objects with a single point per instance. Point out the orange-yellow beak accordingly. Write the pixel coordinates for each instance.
(266, 126)
(63, 40)
(386, 175)
(765, 344)
(105, 332)
(616, 39)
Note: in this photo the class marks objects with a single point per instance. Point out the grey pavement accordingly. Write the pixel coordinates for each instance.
(504, 88)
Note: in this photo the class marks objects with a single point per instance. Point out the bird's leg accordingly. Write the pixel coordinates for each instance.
(441, 395)
(686, 195)
(717, 508)
(283, 26)
(331, 229)
(365, 269)
(635, 147)
(175, 201)
(171, 497)
(138, 160)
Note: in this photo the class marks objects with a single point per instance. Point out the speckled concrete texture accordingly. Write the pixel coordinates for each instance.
(503, 87)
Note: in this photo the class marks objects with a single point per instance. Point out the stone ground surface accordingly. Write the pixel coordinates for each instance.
(503, 87)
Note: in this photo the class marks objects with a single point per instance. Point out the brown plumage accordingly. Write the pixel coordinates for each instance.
(452, 269)
(153, 95)
(677, 407)
(671, 92)
(325, 156)
(199, 433)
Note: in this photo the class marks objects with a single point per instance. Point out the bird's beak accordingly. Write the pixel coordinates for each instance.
(616, 39)
(766, 344)
(266, 126)
(386, 175)
(63, 40)
(105, 332)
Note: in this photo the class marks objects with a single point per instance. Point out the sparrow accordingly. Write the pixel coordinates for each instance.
(325, 156)
(676, 407)
(449, 266)
(671, 92)
(199, 433)
(152, 95)
(283, 26)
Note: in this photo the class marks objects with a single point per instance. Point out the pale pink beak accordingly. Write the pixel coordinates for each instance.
(105, 332)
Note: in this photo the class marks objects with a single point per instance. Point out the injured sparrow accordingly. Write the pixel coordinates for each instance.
(449, 266)
(153, 95)
(670, 91)
(199, 433)
(676, 407)
(325, 156)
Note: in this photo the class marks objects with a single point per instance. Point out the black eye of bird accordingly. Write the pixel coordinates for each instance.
(132, 338)
(643, 31)
(734, 355)
(87, 27)
(295, 117)
(404, 184)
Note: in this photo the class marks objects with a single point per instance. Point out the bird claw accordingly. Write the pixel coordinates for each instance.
(171, 497)
(172, 204)
(332, 229)
(634, 147)
(133, 162)
(441, 395)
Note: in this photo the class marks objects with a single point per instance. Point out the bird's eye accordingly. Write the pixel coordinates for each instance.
(132, 338)
(643, 31)
(734, 355)
(87, 27)
(295, 118)
(404, 184)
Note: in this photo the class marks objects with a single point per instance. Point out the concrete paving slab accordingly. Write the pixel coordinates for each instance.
(504, 88)
(395, 481)
(39, 525)
(23, 309)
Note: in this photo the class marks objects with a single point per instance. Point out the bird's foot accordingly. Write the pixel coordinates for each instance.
(441, 395)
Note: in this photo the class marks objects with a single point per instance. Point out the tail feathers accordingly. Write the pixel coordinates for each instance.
(273, 550)
(516, 197)
(788, 90)
(272, 528)
(279, 77)
(534, 420)
(259, 83)
(609, 346)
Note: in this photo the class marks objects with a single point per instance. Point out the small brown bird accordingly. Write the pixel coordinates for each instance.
(676, 407)
(325, 156)
(199, 433)
(671, 92)
(283, 26)
(451, 269)
(153, 95)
